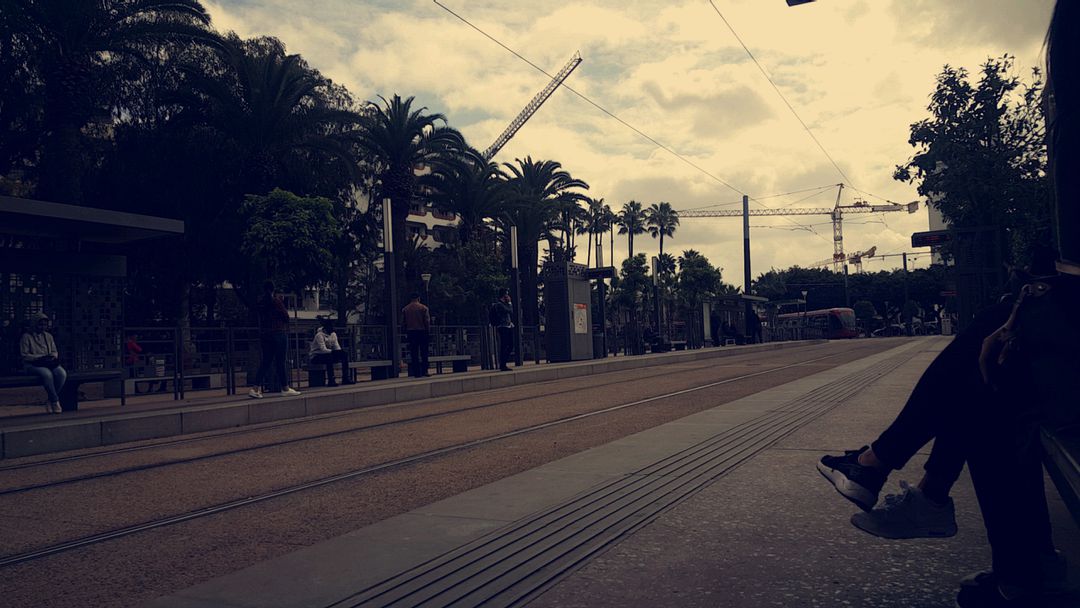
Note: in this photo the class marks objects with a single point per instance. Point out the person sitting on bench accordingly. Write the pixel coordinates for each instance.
(325, 350)
(40, 357)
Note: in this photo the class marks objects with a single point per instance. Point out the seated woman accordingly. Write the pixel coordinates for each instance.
(325, 350)
(40, 357)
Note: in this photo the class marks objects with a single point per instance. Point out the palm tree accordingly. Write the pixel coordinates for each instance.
(661, 220)
(537, 190)
(402, 140)
(78, 48)
(469, 186)
(593, 224)
(281, 117)
(631, 221)
(609, 220)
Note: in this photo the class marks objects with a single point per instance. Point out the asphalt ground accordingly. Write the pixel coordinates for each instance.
(130, 570)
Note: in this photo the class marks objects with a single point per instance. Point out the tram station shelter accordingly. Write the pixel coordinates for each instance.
(69, 262)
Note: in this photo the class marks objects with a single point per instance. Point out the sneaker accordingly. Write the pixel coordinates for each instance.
(855, 482)
(289, 392)
(909, 514)
(56, 408)
(986, 593)
(331, 384)
(255, 393)
(1055, 571)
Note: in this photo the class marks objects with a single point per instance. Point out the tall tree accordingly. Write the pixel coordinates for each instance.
(401, 141)
(537, 189)
(661, 221)
(631, 222)
(468, 186)
(981, 156)
(593, 224)
(84, 54)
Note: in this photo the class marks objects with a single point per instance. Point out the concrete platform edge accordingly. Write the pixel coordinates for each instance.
(58, 435)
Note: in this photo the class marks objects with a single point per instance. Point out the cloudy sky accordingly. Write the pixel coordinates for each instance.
(858, 72)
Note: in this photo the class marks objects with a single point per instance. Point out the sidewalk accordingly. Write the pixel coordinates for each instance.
(30, 435)
(722, 508)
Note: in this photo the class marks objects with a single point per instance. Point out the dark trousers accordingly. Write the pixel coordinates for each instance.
(329, 359)
(271, 375)
(995, 432)
(418, 352)
(506, 345)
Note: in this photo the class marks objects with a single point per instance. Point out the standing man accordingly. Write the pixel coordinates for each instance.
(500, 316)
(418, 331)
(274, 340)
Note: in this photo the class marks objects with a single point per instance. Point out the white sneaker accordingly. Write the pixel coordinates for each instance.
(255, 393)
(289, 392)
(55, 408)
(909, 514)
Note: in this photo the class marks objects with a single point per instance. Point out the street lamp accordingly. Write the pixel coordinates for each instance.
(394, 339)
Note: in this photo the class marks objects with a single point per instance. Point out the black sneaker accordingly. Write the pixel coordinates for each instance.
(855, 482)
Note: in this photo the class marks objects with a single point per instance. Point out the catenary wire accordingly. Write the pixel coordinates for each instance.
(781, 94)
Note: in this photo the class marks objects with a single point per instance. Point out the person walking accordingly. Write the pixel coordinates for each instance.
(274, 339)
(500, 316)
(41, 358)
(326, 350)
(418, 331)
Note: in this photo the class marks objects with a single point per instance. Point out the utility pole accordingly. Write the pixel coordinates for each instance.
(847, 296)
(393, 341)
(747, 306)
(656, 293)
(601, 293)
(907, 310)
(515, 277)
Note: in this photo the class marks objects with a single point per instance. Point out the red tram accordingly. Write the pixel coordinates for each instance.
(833, 323)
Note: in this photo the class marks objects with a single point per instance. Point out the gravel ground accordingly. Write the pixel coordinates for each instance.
(128, 571)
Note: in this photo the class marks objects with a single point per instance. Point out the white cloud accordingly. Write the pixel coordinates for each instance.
(859, 73)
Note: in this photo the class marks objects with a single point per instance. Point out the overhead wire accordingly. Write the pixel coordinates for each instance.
(781, 94)
(614, 116)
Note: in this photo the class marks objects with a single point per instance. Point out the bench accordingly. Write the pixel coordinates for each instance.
(69, 395)
(131, 385)
(380, 370)
(459, 363)
(679, 344)
(1061, 456)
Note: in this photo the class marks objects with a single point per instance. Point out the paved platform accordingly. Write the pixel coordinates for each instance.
(721, 508)
(43, 433)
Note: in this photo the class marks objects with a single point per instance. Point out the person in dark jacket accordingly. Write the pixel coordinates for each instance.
(418, 329)
(500, 316)
(274, 339)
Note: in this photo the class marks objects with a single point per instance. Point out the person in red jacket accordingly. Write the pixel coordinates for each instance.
(274, 339)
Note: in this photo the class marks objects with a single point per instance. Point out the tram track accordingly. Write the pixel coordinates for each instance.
(239, 431)
(84, 541)
(291, 423)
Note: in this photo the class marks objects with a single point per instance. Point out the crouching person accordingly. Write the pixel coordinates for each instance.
(40, 358)
(326, 350)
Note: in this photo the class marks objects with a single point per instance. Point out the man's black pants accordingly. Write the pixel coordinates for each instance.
(329, 359)
(506, 345)
(418, 352)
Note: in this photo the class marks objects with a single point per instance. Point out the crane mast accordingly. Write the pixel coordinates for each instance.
(532, 107)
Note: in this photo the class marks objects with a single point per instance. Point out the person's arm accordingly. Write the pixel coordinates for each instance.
(53, 351)
(427, 319)
(26, 350)
(280, 310)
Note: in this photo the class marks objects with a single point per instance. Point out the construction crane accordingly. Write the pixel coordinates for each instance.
(837, 214)
(532, 107)
(855, 258)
